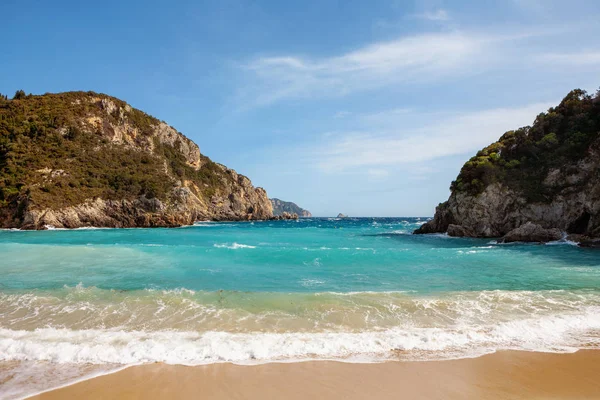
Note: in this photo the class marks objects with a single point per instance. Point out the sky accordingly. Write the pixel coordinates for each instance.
(368, 108)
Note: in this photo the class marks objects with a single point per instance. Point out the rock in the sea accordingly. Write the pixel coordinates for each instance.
(284, 216)
(591, 243)
(340, 215)
(531, 232)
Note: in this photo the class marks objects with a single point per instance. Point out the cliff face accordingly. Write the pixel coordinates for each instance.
(547, 174)
(84, 159)
(280, 206)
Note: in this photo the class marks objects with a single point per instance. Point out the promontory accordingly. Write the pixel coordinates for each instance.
(537, 183)
(81, 159)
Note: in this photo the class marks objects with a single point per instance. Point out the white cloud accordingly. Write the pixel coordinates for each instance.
(413, 59)
(582, 58)
(444, 136)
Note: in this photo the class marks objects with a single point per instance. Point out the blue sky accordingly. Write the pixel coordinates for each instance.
(363, 107)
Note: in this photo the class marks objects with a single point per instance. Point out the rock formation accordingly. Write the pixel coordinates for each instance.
(280, 207)
(535, 179)
(80, 159)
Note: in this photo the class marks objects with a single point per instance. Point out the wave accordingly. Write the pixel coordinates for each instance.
(182, 310)
(553, 333)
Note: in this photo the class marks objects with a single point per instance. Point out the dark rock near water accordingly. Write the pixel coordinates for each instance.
(458, 231)
(591, 243)
(284, 216)
(531, 232)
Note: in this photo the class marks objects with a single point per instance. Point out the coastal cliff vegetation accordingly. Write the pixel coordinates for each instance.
(537, 182)
(522, 158)
(62, 150)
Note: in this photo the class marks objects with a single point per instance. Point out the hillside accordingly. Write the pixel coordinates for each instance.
(547, 174)
(80, 159)
(280, 206)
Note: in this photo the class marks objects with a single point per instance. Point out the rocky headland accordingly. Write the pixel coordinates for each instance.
(280, 208)
(536, 184)
(80, 159)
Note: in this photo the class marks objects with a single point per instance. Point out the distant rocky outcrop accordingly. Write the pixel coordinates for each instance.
(80, 159)
(285, 216)
(340, 215)
(280, 207)
(534, 183)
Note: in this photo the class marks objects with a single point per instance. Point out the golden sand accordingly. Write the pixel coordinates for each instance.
(504, 375)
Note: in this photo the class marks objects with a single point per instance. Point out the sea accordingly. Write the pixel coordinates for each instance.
(80, 303)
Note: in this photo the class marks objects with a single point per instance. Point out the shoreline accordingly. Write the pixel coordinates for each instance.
(501, 375)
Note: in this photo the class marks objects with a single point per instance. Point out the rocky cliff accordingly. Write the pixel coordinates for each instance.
(81, 159)
(547, 174)
(280, 207)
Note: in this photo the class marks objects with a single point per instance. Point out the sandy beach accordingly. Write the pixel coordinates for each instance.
(503, 375)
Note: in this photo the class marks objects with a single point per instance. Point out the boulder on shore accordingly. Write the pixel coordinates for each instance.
(531, 232)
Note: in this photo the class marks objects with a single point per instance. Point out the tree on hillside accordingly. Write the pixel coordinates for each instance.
(19, 94)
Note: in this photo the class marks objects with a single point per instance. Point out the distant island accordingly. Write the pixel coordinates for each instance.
(280, 207)
(536, 183)
(79, 159)
(340, 215)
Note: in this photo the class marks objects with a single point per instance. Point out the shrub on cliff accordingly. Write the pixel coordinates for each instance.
(521, 159)
(51, 157)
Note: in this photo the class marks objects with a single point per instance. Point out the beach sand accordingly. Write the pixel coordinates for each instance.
(503, 375)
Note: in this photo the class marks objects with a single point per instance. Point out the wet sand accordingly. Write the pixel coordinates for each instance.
(504, 375)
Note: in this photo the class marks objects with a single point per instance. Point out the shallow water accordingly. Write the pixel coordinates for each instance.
(352, 289)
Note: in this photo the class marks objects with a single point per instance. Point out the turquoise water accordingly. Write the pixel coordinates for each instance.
(352, 289)
(310, 255)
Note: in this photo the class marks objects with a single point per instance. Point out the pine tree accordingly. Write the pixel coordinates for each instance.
(19, 94)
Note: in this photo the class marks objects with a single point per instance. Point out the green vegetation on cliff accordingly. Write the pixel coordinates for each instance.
(57, 150)
(522, 159)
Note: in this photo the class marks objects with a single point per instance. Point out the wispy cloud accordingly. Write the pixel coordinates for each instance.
(446, 136)
(418, 58)
(582, 58)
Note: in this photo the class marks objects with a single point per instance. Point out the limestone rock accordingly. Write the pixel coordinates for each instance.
(531, 232)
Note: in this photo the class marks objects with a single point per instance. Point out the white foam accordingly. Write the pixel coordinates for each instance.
(234, 246)
(311, 282)
(556, 333)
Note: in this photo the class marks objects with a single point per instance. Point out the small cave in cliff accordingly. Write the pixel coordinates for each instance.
(580, 225)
